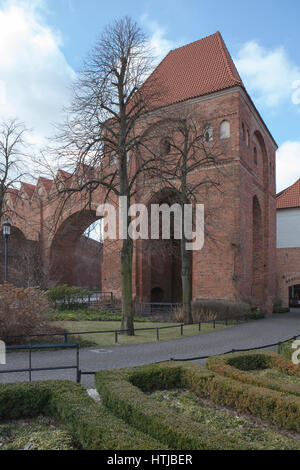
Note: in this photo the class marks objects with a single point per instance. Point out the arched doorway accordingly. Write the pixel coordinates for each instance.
(162, 259)
(76, 258)
(257, 253)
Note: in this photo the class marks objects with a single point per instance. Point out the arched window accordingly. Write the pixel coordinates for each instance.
(243, 132)
(208, 133)
(225, 130)
(165, 147)
(112, 158)
(255, 155)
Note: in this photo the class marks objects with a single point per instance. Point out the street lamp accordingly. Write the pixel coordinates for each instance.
(6, 233)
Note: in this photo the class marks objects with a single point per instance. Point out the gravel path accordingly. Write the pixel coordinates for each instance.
(273, 329)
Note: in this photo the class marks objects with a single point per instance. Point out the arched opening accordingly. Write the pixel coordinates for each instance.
(224, 130)
(76, 254)
(162, 259)
(257, 253)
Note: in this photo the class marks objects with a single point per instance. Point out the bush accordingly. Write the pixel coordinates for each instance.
(236, 366)
(90, 424)
(22, 311)
(120, 394)
(281, 310)
(66, 297)
(207, 310)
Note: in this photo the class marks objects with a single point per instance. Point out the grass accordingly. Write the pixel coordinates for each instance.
(34, 434)
(108, 339)
(243, 431)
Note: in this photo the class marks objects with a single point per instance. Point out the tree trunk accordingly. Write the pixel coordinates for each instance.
(186, 271)
(127, 304)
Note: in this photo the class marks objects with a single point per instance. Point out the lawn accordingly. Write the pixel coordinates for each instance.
(41, 433)
(146, 336)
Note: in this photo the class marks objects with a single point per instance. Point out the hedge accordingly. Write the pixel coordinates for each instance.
(122, 393)
(91, 425)
(236, 366)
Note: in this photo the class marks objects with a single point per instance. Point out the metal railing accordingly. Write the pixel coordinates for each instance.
(266, 346)
(30, 369)
(118, 331)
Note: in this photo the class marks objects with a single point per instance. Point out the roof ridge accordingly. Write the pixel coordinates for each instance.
(193, 42)
(227, 58)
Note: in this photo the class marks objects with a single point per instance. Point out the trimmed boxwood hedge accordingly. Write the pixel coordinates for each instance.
(236, 366)
(91, 425)
(122, 392)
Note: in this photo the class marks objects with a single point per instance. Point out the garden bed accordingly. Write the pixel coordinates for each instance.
(125, 394)
(42, 433)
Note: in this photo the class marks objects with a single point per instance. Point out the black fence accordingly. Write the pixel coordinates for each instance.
(79, 372)
(30, 369)
(117, 332)
(266, 346)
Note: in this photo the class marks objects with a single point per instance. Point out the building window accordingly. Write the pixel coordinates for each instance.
(243, 132)
(208, 133)
(225, 130)
(165, 147)
(247, 138)
(255, 155)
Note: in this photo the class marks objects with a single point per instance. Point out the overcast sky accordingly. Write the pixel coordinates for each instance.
(43, 42)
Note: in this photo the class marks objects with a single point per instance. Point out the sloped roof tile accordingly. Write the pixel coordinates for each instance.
(290, 197)
(196, 69)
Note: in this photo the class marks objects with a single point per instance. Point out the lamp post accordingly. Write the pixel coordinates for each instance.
(6, 233)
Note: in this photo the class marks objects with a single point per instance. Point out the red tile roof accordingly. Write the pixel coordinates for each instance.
(194, 70)
(290, 197)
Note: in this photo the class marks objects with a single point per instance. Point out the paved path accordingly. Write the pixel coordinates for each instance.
(269, 330)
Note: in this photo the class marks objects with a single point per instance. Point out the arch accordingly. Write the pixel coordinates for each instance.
(255, 156)
(243, 132)
(263, 151)
(160, 262)
(225, 130)
(75, 259)
(165, 147)
(257, 252)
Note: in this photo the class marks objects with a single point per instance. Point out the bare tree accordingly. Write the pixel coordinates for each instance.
(105, 127)
(187, 154)
(12, 155)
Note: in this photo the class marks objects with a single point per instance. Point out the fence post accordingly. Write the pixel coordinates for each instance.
(214, 323)
(181, 330)
(199, 325)
(157, 334)
(30, 363)
(65, 337)
(78, 374)
(279, 345)
(116, 336)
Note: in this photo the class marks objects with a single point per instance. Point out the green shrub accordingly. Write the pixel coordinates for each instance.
(66, 297)
(120, 394)
(281, 310)
(255, 315)
(236, 366)
(91, 425)
(204, 310)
